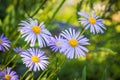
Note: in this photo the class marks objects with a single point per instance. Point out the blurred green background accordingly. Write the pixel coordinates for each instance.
(103, 60)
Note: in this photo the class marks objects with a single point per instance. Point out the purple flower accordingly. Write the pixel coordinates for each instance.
(92, 21)
(74, 45)
(4, 43)
(17, 49)
(34, 59)
(8, 74)
(56, 43)
(32, 31)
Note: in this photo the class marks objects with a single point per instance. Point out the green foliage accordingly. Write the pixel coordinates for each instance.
(84, 73)
(103, 60)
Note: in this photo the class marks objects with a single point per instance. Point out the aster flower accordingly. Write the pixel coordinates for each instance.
(34, 59)
(56, 43)
(8, 74)
(4, 43)
(32, 31)
(17, 49)
(74, 45)
(92, 21)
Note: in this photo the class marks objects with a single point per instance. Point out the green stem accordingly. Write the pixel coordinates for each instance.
(25, 46)
(12, 47)
(14, 64)
(24, 74)
(16, 40)
(9, 61)
(32, 75)
(54, 14)
(82, 32)
(42, 3)
(13, 57)
(39, 78)
(51, 75)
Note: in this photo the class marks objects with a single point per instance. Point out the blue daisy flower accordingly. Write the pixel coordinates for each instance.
(32, 31)
(34, 59)
(74, 45)
(17, 49)
(92, 21)
(56, 43)
(4, 43)
(8, 74)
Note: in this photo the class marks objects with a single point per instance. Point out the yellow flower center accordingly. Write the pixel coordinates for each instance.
(36, 29)
(0, 41)
(7, 77)
(73, 42)
(92, 20)
(35, 59)
(58, 43)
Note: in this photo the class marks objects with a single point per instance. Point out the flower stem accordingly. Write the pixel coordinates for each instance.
(12, 47)
(51, 75)
(24, 74)
(16, 40)
(39, 78)
(58, 9)
(54, 14)
(32, 76)
(25, 46)
(13, 57)
(9, 61)
(82, 32)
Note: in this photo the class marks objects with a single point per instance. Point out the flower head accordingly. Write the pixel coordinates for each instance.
(4, 43)
(74, 45)
(8, 74)
(33, 31)
(34, 58)
(17, 49)
(92, 21)
(56, 43)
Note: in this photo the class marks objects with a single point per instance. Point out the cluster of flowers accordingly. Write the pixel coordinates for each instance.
(69, 42)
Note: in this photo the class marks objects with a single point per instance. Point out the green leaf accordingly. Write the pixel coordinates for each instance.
(104, 74)
(30, 76)
(84, 73)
